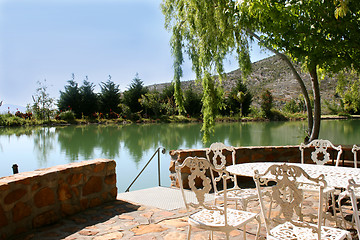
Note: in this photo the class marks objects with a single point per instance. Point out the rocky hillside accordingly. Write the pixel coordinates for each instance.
(271, 73)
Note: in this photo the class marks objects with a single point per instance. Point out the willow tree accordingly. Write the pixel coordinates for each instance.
(307, 32)
(206, 31)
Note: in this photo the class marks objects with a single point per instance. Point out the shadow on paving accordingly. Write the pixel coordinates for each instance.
(82, 221)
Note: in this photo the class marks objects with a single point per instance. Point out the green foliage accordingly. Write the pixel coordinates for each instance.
(89, 99)
(348, 89)
(207, 32)
(266, 103)
(133, 94)
(238, 101)
(211, 101)
(151, 103)
(70, 99)
(109, 98)
(192, 102)
(67, 116)
(11, 120)
(42, 107)
(291, 106)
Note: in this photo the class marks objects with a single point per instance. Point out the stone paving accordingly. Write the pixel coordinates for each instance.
(124, 220)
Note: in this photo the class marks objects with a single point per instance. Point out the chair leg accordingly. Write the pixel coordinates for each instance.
(244, 232)
(259, 226)
(343, 224)
(189, 233)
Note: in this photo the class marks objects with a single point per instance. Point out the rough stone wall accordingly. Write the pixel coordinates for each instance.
(33, 199)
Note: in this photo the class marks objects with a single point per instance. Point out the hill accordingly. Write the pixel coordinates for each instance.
(271, 73)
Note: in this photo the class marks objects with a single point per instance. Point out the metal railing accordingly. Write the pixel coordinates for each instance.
(163, 151)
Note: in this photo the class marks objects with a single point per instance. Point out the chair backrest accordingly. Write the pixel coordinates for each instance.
(194, 171)
(286, 197)
(321, 155)
(352, 187)
(216, 155)
(354, 150)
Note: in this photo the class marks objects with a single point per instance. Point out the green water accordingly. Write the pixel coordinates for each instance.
(133, 145)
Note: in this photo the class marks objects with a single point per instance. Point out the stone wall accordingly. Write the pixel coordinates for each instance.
(33, 199)
(256, 154)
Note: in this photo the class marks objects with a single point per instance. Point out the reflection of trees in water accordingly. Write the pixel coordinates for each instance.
(43, 143)
(140, 138)
(349, 131)
(78, 141)
(109, 140)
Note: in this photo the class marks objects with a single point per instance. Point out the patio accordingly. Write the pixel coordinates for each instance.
(129, 219)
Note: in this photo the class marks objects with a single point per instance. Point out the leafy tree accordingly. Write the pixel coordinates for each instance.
(239, 100)
(151, 103)
(304, 31)
(109, 97)
(266, 103)
(168, 100)
(133, 94)
(43, 103)
(348, 89)
(70, 99)
(89, 99)
(192, 102)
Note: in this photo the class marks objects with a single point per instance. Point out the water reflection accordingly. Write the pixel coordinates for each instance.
(132, 145)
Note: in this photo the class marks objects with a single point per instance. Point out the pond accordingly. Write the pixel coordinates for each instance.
(133, 145)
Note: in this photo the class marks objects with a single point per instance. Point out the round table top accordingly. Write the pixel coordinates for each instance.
(335, 176)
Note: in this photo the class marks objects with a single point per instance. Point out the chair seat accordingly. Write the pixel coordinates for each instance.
(346, 193)
(314, 188)
(246, 193)
(289, 231)
(214, 218)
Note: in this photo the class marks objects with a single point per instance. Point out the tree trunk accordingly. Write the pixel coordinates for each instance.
(317, 105)
(299, 80)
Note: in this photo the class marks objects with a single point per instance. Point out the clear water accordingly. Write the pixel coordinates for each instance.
(133, 145)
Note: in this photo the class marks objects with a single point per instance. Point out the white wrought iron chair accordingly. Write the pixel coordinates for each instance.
(346, 194)
(216, 155)
(209, 217)
(287, 218)
(320, 156)
(353, 190)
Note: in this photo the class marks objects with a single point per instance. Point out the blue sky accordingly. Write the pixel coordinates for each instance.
(42, 39)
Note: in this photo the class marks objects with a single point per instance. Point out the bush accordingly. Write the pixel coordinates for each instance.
(266, 103)
(67, 116)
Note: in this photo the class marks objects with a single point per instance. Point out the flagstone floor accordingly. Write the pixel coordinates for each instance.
(125, 220)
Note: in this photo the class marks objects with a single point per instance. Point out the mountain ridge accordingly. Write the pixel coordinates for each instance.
(271, 73)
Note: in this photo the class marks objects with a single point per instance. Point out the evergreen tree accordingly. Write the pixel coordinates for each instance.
(89, 99)
(133, 94)
(109, 97)
(70, 99)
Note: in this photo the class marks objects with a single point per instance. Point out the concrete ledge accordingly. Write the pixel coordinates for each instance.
(33, 199)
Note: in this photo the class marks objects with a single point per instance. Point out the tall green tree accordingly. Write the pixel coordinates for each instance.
(133, 94)
(89, 99)
(43, 103)
(70, 99)
(239, 100)
(348, 89)
(304, 31)
(109, 98)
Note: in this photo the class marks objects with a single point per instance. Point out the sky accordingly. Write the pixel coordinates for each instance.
(48, 41)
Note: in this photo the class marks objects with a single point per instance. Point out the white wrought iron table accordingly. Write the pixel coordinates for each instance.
(337, 177)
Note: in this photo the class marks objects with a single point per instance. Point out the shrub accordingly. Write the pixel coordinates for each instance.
(67, 116)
